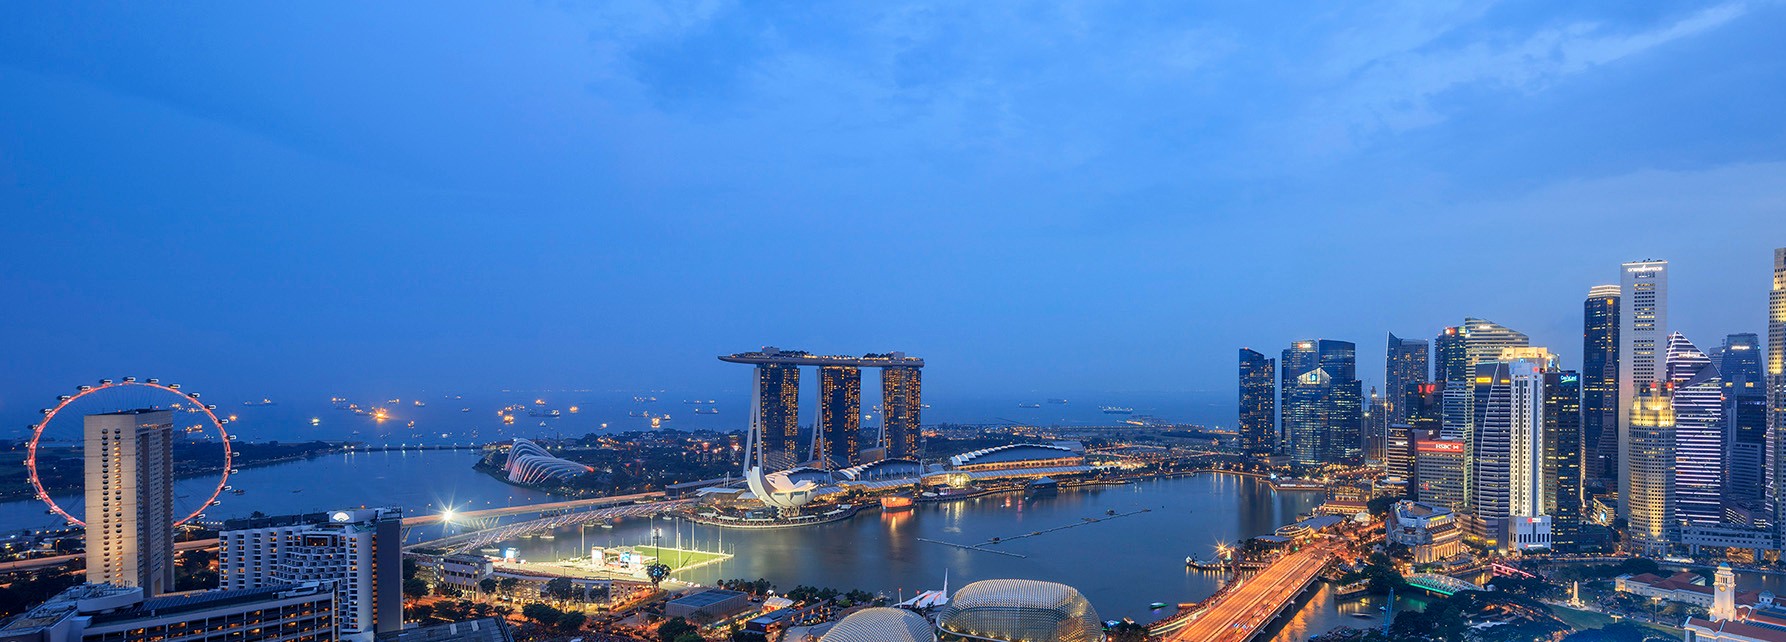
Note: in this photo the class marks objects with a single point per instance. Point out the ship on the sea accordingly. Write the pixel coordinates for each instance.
(892, 503)
(1059, 401)
(1117, 410)
(1029, 405)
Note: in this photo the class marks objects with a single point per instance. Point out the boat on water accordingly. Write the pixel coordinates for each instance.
(1059, 401)
(1117, 410)
(896, 502)
(1158, 605)
(1029, 405)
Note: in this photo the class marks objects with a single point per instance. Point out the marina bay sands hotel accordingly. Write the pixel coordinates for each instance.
(836, 440)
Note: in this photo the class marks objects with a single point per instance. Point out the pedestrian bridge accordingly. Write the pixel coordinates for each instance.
(1440, 584)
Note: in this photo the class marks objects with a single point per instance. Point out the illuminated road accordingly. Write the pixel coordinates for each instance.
(1238, 615)
(524, 509)
(44, 562)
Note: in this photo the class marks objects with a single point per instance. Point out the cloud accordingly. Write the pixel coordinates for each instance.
(1398, 90)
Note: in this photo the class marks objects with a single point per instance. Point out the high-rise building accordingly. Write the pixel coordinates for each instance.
(1643, 332)
(1376, 427)
(1745, 420)
(1476, 342)
(1449, 362)
(1439, 465)
(1776, 390)
(1600, 384)
(779, 392)
(1398, 457)
(1698, 433)
(1407, 364)
(1511, 487)
(1322, 402)
(130, 499)
(840, 415)
(1563, 458)
(1650, 460)
(359, 551)
(1425, 405)
(1258, 404)
(901, 402)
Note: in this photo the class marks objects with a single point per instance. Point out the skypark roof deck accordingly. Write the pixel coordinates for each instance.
(771, 354)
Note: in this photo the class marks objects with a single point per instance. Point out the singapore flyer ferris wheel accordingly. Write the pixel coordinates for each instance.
(195, 421)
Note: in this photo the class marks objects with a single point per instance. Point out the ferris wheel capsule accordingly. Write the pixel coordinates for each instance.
(105, 382)
(64, 397)
(174, 386)
(83, 388)
(209, 406)
(154, 380)
(194, 395)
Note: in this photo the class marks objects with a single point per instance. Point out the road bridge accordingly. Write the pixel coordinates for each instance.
(485, 537)
(1240, 611)
(474, 516)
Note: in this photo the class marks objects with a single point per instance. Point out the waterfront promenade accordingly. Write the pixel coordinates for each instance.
(1237, 614)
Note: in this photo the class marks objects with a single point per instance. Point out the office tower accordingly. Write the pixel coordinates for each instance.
(1467, 346)
(1643, 329)
(1376, 427)
(1425, 405)
(779, 398)
(1563, 458)
(1775, 376)
(1406, 367)
(1449, 362)
(1509, 493)
(130, 499)
(112, 613)
(1322, 402)
(901, 401)
(1698, 433)
(1745, 419)
(1258, 404)
(359, 551)
(1484, 340)
(840, 415)
(1650, 461)
(1600, 383)
(1439, 464)
(1398, 456)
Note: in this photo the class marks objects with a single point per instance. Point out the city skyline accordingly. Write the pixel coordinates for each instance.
(973, 195)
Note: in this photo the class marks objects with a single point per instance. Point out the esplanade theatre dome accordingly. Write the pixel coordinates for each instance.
(881, 624)
(1020, 610)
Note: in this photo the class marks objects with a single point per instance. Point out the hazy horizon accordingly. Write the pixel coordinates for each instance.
(1039, 200)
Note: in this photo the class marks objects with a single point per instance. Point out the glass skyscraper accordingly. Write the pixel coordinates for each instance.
(1406, 366)
(1322, 402)
(1563, 458)
(1600, 384)
(1745, 419)
(1258, 404)
(1698, 433)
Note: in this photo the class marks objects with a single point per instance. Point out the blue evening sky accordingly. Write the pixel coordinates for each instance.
(1052, 196)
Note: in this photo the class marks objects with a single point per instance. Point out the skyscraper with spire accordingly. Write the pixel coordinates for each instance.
(1643, 335)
